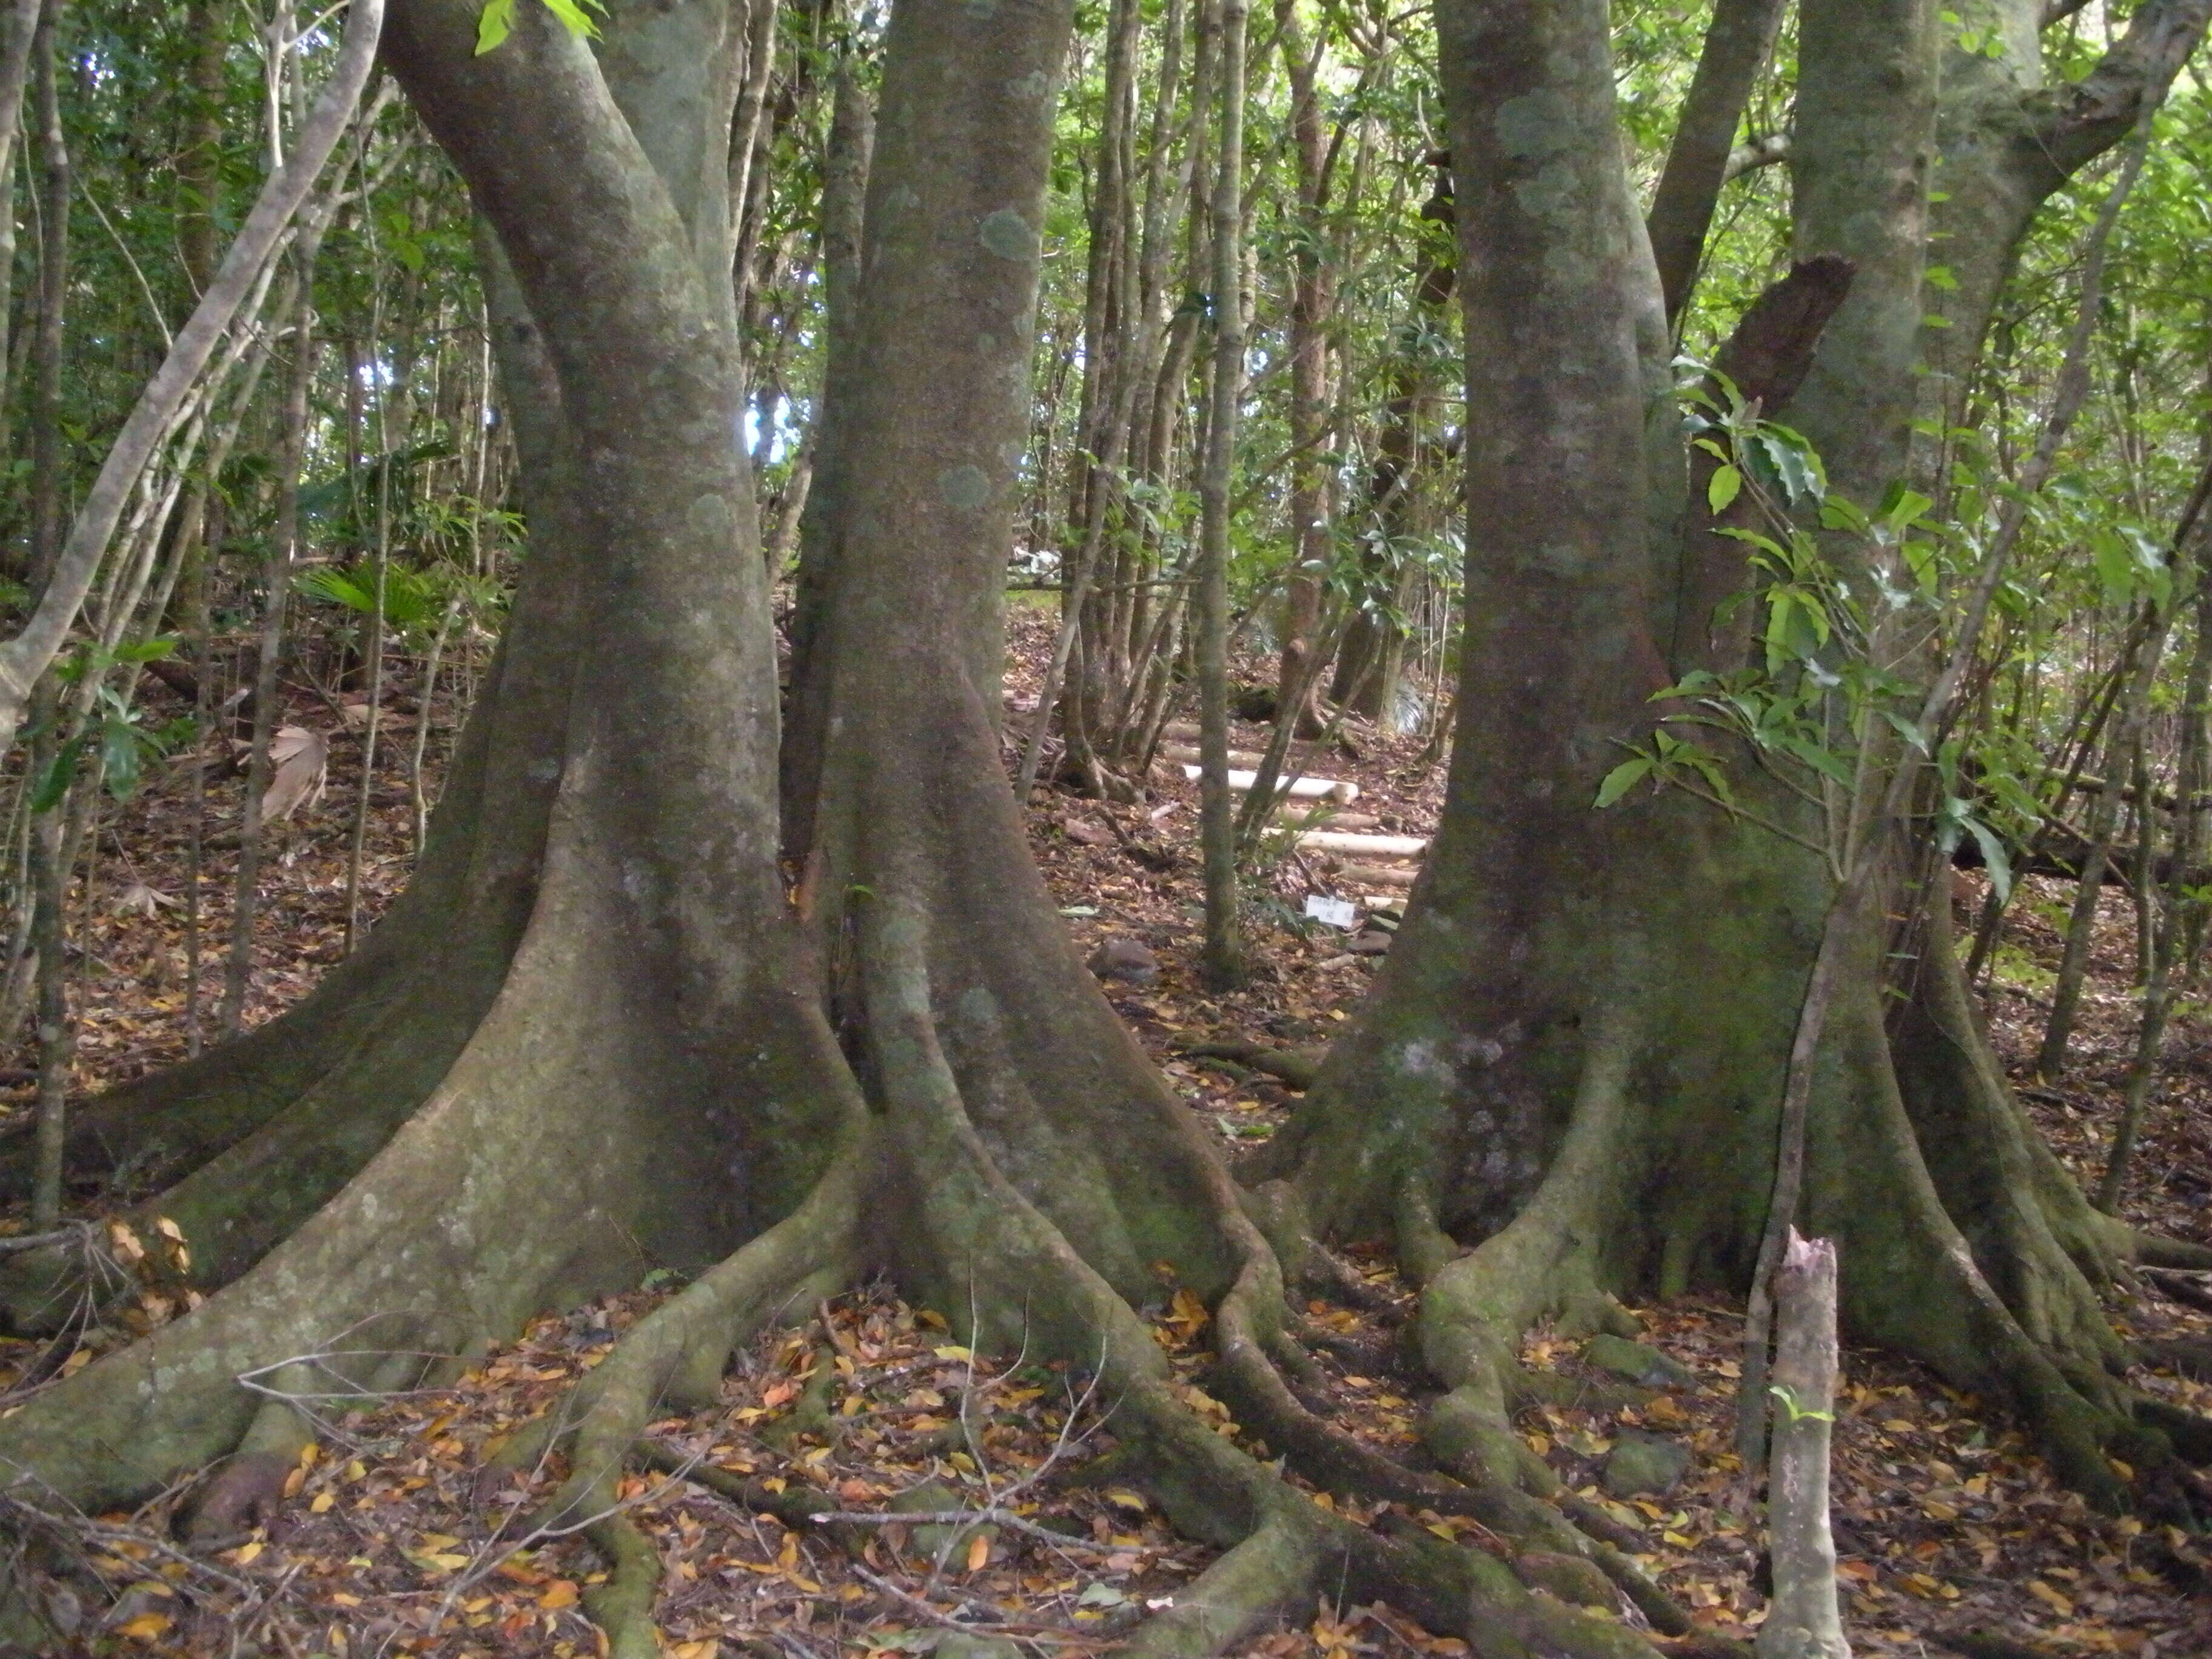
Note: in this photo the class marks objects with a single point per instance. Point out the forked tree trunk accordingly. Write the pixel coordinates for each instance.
(1577, 1071)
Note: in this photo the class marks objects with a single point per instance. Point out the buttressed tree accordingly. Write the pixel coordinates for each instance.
(672, 989)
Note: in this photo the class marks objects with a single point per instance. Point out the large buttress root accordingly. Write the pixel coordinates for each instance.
(554, 1162)
(250, 1138)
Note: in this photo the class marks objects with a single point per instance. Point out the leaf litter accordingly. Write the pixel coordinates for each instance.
(394, 1539)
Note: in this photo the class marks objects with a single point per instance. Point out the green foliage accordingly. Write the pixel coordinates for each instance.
(115, 739)
(496, 21)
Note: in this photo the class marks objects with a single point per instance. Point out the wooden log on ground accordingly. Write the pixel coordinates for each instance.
(1377, 875)
(1300, 788)
(1187, 754)
(1321, 815)
(1359, 846)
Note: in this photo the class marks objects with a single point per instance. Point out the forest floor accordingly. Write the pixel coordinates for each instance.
(394, 1542)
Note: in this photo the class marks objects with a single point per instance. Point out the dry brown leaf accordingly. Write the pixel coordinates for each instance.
(302, 758)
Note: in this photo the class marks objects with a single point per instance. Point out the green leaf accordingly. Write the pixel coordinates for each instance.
(54, 786)
(1993, 855)
(1821, 758)
(1781, 603)
(1795, 461)
(494, 25)
(2116, 567)
(572, 15)
(119, 758)
(336, 587)
(1622, 779)
(1727, 485)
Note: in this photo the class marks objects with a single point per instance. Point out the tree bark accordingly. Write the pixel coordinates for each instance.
(1804, 1621)
(1225, 947)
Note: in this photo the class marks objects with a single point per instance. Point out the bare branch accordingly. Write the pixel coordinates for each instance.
(2089, 116)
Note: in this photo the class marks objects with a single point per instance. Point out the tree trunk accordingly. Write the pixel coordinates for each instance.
(1738, 43)
(1804, 1622)
(1373, 647)
(1547, 1103)
(1224, 948)
(1312, 299)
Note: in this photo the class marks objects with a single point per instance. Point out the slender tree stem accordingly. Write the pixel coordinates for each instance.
(1225, 949)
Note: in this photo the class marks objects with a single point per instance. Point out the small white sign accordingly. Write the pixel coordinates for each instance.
(1333, 911)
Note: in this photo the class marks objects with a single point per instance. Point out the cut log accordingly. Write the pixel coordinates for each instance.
(1377, 875)
(1301, 788)
(1319, 815)
(1187, 754)
(1373, 847)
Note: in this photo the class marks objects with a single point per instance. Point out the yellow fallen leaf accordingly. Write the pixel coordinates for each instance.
(1120, 1497)
(245, 1554)
(979, 1553)
(561, 1593)
(146, 1627)
(706, 1649)
(295, 1481)
(787, 1557)
(953, 1351)
(320, 1503)
(1679, 1541)
(2051, 1598)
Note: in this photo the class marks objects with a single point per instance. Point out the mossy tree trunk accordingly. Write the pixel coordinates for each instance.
(1565, 1088)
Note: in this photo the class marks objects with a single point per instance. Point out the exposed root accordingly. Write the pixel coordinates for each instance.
(676, 1353)
(1291, 1066)
(2154, 1250)
(246, 1492)
(2187, 1432)
(1271, 1573)
(799, 1508)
